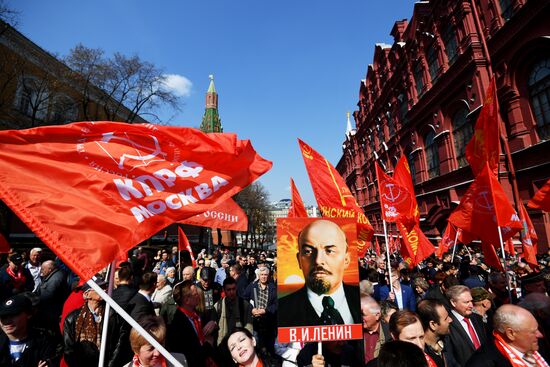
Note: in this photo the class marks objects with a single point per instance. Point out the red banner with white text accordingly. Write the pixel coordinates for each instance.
(228, 215)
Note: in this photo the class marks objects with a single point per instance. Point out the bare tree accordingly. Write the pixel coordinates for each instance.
(7, 15)
(130, 86)
(254, 200)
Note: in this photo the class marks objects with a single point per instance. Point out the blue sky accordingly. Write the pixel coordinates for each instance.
(283, 69)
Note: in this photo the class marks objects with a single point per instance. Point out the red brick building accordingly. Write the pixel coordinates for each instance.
(422, 94)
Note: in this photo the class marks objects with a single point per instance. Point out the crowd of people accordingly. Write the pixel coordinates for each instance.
(224, 310)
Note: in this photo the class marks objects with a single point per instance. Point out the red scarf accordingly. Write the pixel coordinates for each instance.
(196, 322)
(19, 279)
(431, 362)
(512, 355)
(137, 363)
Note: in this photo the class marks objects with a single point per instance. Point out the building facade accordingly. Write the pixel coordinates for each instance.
(422, 95)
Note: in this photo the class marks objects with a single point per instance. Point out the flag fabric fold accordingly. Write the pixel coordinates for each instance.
(529, 238)
(333, 196)
(484, 148)
(447, 240)
(91, 190)
(485, 206)
(402, 175)
(415, 246)
(184, 245)
(541, 200)
(297, 208)
(227, 215)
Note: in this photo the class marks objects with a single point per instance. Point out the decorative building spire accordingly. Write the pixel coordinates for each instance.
(349, 130)
(211, 122)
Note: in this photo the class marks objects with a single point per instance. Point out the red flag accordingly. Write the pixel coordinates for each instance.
(485, 144)
(485, 206)
(4, 245)
(529, 237)
(184, 245)
(395, 199)
(541, 200)
(297, 208)
(227, 215)
(377, 248)
(402, 175)
(91, 190)
(391, 244)
(490, 256)
(509, 247)
(416, 246)
(333, 196)
(447, 240)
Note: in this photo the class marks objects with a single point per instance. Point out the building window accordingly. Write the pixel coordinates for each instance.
(539, 93)
(391, 124)
(419, 80)
(432, 154)
(449, 39)
(433, 62)
(506, 9)
(32, 98)
(403, 107)
(381, 137)
(462, 133)
(412, 167)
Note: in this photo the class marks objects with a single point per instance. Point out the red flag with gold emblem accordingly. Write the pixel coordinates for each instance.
(485, 206)
(529, 237)
(227, 215)
(541, 200)
(402, 175)
(415, 246)
(93, 190)
(297, 208)
(485, 144)
(333, 196)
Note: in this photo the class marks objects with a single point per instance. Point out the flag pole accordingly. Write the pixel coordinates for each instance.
(454, 245)
(505, 267)
(388, 255)
(106, 317)
(133, 323)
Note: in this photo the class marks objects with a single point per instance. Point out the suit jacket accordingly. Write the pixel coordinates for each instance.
(296, 310)
(409, 299)
(460, 345)
(488, 356)
(140, 306)
(181, 337)
(123, 294)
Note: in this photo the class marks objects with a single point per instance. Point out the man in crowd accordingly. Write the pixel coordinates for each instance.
(375, 333)
(402, 294)
(52, 293)
(200, 266)
(237, 273)
(165, 263)
(14, 278)
(435, 320)
(124, 291)
(141, 305)
(497, 286)
(467, 331)
(187, 273)
(232, 311)
(221, 272)
(533, 283)
(35, 266)
(161, 294)
(323, 257)
(515, 341)
(483, 304)
(212, 291)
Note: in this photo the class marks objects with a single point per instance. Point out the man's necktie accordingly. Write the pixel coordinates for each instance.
(472, 333)
(330, 315)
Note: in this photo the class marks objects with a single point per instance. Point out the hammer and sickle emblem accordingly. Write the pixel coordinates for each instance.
(484, 201)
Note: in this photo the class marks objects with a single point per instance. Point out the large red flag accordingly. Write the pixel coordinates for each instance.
(4, 245)
(91, 190)
(395, 199)
(184, 245)
(297, 208)
(447, 240)
(416, 246)
(227, 215)
(490, 256)
(485, 206)
(485, 144)
(529, 237)
(333, 196)
(402, 175)
(541, 200)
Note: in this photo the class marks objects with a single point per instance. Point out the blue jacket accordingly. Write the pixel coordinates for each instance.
(409, 299)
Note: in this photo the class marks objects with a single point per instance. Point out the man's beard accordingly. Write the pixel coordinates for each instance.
(318, 286)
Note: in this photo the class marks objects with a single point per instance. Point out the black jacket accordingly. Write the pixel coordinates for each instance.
(41, 346)
(296, 310)
(488, 356)
(140, 306)
(460, 344)
(123, 294)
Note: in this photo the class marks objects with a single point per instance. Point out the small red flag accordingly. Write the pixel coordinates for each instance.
(184, 245)
(227, 215)
(377, 248)
(297, 208)
(485, 144)
(4, 245)
(529, 237)
(447, 240)
(490, 256)
(541, 200)
(485, 206)
(92, 190)
(402, 175)
(395, 199)
(416, 246)
(509, 247)
(333, 196)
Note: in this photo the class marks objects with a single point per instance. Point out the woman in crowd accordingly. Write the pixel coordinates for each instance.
(241, 345)
(146, 355)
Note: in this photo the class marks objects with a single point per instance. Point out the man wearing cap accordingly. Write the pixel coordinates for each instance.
(20, 344)
(533, 283)
(483, 304)
(211, 290)
(15, 278)
(34, 266)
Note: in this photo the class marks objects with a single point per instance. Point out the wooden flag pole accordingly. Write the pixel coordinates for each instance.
(388, 255)
(505, 267)
(454, 245)
(133, 323)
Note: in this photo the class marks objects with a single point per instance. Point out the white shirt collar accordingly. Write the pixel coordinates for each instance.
(145, 294)
(340, 303)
